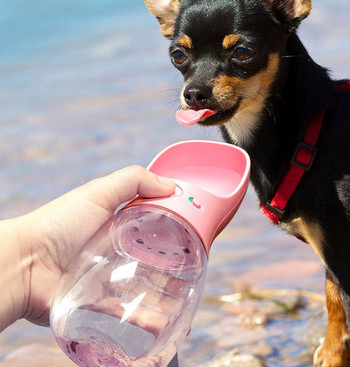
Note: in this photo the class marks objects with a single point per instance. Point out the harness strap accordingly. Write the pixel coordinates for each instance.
(345, 86)
(300, 163)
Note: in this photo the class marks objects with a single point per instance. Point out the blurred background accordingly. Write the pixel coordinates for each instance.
(86, 88)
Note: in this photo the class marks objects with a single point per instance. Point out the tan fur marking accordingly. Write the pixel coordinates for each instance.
(182, 97)
(311, 232)
(333, 352)
(166, 12)
(254, 91)
(185, 41)
(226, 90)
(293, 9)
(229, 41)
(302, 8)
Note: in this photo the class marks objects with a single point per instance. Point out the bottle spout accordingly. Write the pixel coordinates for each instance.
(212, 179)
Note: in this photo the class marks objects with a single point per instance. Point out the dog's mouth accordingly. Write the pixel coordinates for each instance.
(189, 117)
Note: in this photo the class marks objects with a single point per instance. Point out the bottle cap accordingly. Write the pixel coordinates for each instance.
(211, 181)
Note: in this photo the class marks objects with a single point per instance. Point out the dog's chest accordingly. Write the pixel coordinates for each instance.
(242, 126)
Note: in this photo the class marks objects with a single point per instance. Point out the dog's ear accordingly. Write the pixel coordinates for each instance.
(166, 11)
(290, 12)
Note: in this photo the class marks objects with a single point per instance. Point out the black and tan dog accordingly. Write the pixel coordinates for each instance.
(246, 70)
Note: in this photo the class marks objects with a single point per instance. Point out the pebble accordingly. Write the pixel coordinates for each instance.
(253, 310)
(316, 328)
(236, 358)
(253, 319)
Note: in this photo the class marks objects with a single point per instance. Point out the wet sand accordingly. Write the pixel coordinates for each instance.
(101, 95)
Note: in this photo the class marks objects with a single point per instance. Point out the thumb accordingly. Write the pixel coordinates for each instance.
(123, 185)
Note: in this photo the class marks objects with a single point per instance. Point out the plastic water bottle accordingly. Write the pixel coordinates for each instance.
(129, 299)
(134, 305)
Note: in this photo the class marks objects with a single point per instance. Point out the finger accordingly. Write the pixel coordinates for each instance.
(125, 184)
(143, 182)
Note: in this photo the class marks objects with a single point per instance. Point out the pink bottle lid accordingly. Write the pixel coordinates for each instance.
(211, 181)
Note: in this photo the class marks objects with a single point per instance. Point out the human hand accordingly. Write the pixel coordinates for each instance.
(39, 246)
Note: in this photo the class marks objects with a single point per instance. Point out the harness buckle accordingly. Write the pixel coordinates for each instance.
(300, 165)
(278, 212)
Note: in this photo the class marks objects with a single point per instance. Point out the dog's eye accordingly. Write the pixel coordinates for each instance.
(243, 54)
(178, 57)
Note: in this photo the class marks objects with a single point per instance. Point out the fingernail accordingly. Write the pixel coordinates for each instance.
(166, 181)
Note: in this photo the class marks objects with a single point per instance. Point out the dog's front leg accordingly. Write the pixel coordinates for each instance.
(335, 351)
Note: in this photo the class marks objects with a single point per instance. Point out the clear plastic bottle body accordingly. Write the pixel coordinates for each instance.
(133, 302)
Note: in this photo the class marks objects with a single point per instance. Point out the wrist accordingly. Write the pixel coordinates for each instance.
(13, 269)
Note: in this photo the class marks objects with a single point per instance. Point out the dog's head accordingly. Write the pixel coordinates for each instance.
(229, 53)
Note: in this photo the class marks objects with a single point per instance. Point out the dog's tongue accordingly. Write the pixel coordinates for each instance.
(191, 117)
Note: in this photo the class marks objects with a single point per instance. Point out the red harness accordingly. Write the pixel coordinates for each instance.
(301, 162)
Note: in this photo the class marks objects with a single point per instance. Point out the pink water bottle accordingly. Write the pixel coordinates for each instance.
(131, 296)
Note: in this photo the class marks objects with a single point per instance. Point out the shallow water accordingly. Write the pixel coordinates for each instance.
(87, 88)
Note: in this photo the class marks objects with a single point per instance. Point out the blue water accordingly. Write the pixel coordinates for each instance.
(30, 27)
(82, 85)
(86, 87)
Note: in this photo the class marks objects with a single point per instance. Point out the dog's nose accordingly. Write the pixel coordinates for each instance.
(197, 97)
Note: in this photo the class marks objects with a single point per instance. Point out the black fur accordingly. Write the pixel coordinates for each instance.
(301, 89)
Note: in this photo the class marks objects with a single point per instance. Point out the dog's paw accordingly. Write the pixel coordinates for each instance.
(337, 356)
(320, 357)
